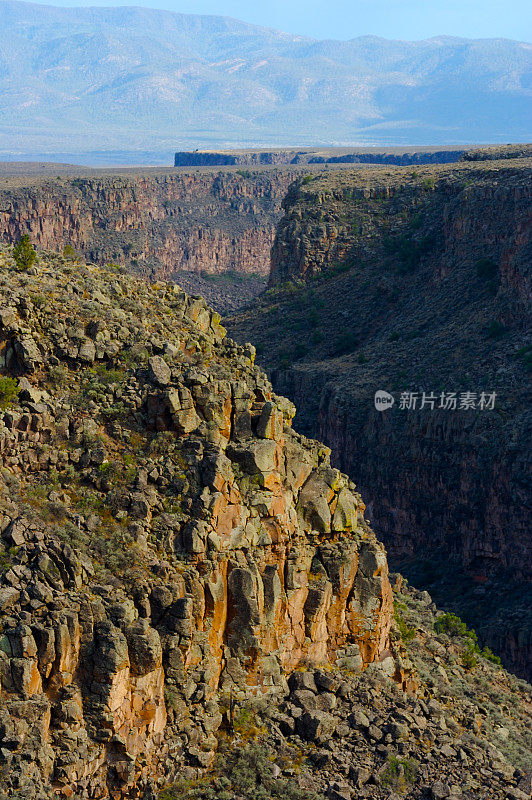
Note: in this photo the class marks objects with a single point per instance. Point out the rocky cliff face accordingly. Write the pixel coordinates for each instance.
(156, 223)
(418, 282)
(332, 155)
(166, 536)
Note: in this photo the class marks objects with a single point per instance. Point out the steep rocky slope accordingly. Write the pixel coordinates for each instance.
(160, 522)
(156, 222)
(414, 281)
(169, 545)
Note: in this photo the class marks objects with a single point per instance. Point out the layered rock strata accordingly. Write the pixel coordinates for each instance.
(155, 222)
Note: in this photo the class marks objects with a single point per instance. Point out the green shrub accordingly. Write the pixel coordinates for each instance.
(469, 657)
(306, 180)
(453, 626)
(23, 253)
(495, 329)
(243, 772)
(9, 390)
(345, 343)
(251, 777)
(489, 655)
(69, 253)
(58, 375)
(38, 300)
(407, 633)
(399, 773)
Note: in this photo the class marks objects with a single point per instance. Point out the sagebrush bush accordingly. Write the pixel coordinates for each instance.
(23, 253)
(9, 390)
(244, 772)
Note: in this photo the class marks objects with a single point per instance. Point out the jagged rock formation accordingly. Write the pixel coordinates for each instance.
(155, 222)
(359, 736)
(165, 535)
(332, 155)
(418, 281)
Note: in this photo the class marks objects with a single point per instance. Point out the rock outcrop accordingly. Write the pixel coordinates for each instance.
(418, 282)
(167, 539)
(192, 604)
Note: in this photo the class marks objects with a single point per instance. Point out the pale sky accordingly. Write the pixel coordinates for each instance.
(345, 19)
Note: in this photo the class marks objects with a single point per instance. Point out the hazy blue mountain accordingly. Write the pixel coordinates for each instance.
(79, 79)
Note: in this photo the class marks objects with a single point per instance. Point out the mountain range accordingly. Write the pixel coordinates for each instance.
(136, 79)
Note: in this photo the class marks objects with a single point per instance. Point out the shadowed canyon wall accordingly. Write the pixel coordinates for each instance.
(418, 282)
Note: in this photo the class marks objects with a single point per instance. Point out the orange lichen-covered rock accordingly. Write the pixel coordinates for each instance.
(216, 550)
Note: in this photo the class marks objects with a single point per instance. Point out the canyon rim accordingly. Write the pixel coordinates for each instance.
(265, 404)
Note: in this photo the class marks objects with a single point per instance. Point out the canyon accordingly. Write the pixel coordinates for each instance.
(193, 604)
(211, 229)
(402, 250)
(417, 282)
